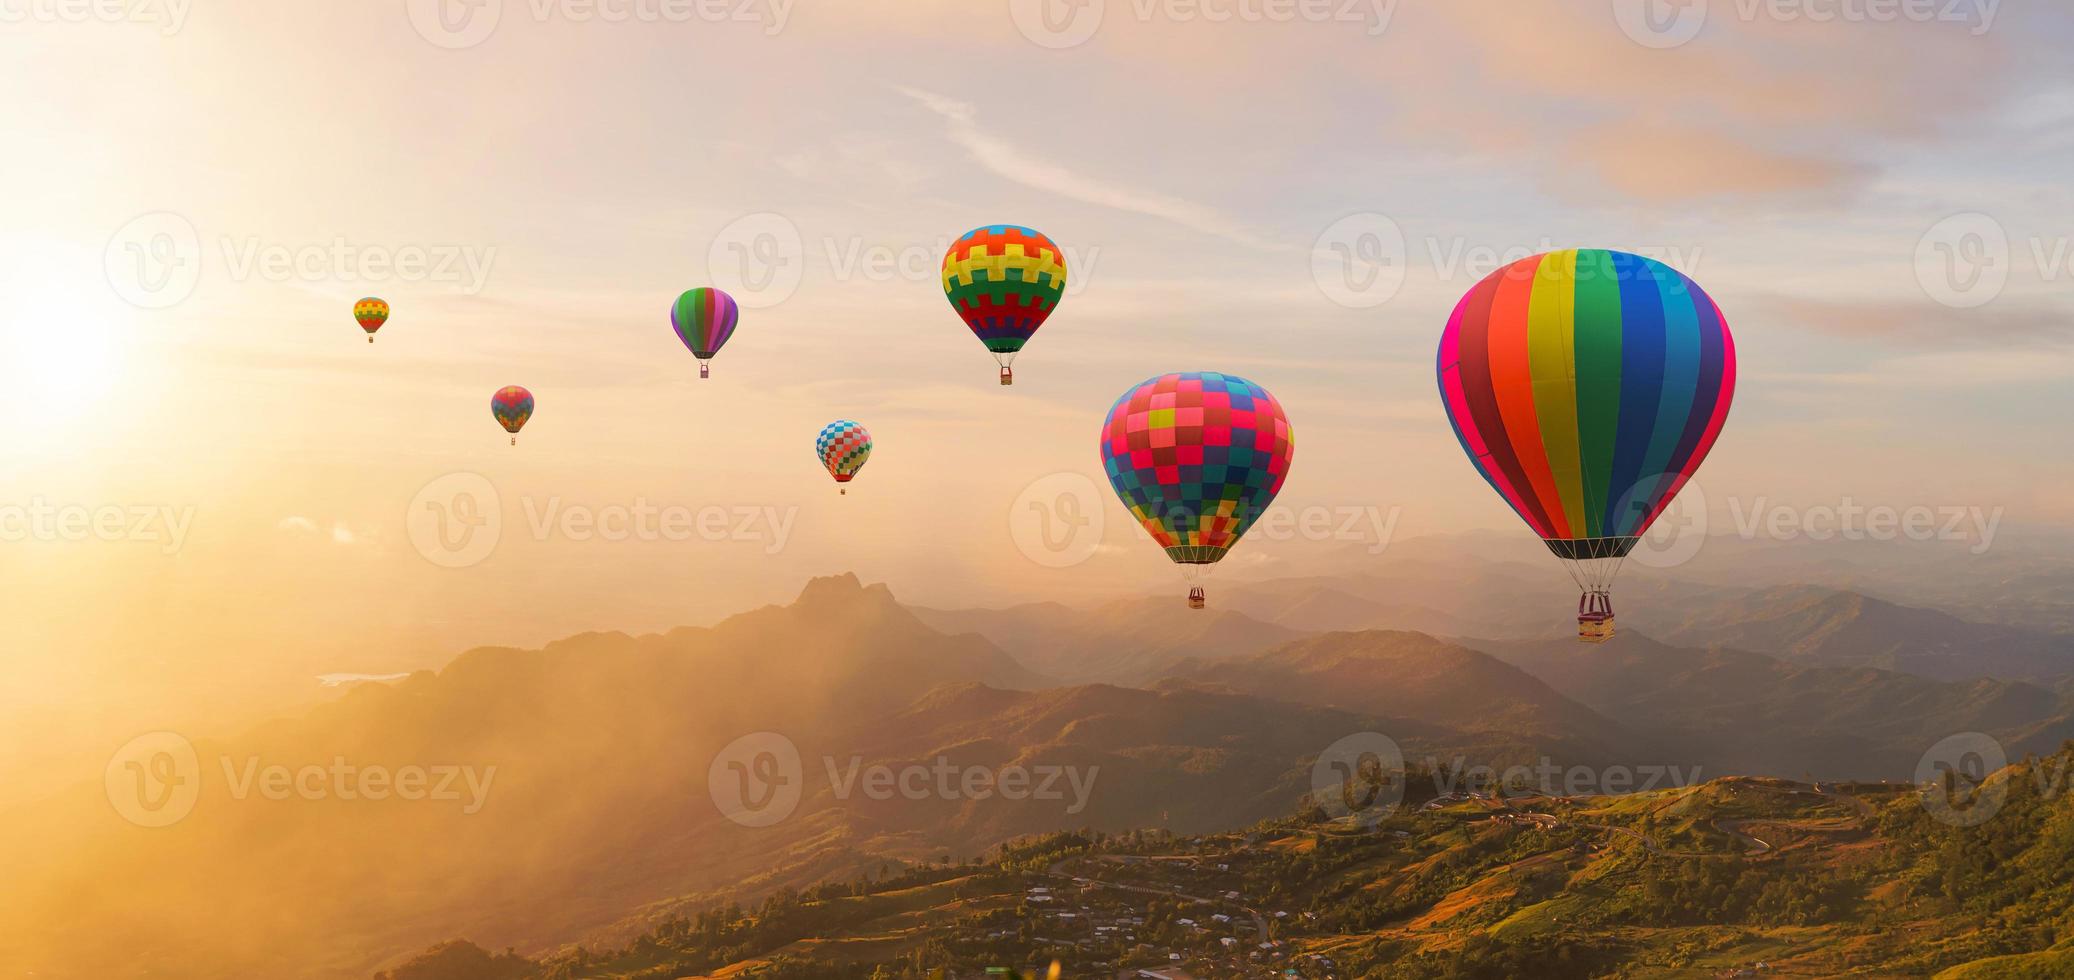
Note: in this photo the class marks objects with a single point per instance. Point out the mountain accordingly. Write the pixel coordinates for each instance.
(1734, 877)
(589, 759)
(582, 771)
(1744, 712)
(1829, 628)
(1409, 675)
(1127, 641)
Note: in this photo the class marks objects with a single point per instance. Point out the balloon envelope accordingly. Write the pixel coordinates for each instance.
(371, 313)
(704, 319)
(1587, 385)
(1197, 456)
(512, 405)
(843, 446)
(1004, 281)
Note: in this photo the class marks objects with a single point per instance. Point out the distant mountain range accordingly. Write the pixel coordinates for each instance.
(600, 817)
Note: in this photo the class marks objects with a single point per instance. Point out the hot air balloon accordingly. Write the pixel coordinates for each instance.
(704, 318)
(512, 405)
(1197, 457)
(843, 446)
(371, 313)
(1004, 280)
(1587, 385)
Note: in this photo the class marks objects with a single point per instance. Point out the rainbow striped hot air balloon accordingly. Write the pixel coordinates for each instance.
(512, 406)
(704, 318)
(1197, 456)
(1004, 281)
(843, 446)
(1587, 386)
(371, 313)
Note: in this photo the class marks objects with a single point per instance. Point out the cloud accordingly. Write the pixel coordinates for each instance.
(2009, 322)
(303, 526)
(1018, 164)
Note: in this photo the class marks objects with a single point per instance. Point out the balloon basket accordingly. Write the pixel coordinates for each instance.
(842, 491)
(703, 370)
(1594, 617)
(514, 440)
(370, 338)
(1196, 600)
(1007, 376)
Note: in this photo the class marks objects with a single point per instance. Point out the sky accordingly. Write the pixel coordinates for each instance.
(215, 490)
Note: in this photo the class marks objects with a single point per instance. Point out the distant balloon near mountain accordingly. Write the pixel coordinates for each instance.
(1587, 386)
(704, 319)
(1197, 457)
(843, 446)
(371, 313)
(512, 406)
(1004, 281)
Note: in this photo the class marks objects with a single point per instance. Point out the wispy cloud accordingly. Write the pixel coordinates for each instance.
(1020, 165)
